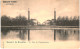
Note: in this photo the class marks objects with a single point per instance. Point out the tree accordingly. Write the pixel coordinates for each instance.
(5, 21)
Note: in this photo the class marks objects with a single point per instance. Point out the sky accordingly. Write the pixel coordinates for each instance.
(41, 10)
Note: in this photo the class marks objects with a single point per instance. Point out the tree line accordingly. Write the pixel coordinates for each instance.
(66, 21)
(17, 21)
(22, 21)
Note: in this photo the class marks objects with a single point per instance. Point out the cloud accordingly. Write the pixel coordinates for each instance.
(42, 9)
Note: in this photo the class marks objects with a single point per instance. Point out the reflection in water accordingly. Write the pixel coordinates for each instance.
(22, 34)
(54, 34)
(62, 34)
(58, 34)
(8, 33)
(42, 35)
(28, 34)
(5, 31)
(67, 34)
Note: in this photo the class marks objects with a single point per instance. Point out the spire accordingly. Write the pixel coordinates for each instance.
(28, 14)
(55, 14)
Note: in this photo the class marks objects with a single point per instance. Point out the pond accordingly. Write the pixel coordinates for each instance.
(41, 35)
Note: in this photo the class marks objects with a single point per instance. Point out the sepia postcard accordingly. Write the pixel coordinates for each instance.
(39, 24)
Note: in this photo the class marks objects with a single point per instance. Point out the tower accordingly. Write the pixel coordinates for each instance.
(28, 14)
(54, 14)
